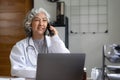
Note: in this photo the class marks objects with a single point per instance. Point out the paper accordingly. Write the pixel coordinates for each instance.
(4, 78)
(116, 76)
(12, 78)
(111, 66)
(17, 78)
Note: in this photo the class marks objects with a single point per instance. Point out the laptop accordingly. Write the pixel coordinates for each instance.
(59, 66)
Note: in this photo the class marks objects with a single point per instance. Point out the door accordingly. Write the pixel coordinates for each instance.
(12, 13)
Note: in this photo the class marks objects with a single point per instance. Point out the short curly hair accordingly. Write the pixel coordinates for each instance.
(28, 19)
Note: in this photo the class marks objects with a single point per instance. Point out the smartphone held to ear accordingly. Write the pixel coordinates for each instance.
(51, 33)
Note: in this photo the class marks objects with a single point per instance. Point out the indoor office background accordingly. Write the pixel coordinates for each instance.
(92, 23)
(89, 42)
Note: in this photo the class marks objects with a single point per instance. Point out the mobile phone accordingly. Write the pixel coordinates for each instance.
(51, 33)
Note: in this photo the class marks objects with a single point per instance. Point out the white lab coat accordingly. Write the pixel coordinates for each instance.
(24, 59)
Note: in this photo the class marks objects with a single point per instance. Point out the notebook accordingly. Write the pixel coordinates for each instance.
(59, 66)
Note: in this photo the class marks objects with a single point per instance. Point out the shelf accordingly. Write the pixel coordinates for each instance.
(114, 76)
(111, 71)
(115, 69)
(113, 59)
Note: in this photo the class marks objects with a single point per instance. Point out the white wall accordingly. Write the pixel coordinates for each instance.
(91, 44)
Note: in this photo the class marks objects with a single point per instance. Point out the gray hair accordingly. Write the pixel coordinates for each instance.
(28, 19)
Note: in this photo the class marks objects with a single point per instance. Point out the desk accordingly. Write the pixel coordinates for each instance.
(84, 76)
(12, 78)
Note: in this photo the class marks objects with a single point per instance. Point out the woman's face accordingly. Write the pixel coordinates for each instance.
(39, 24)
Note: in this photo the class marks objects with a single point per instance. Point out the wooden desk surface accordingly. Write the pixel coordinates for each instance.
(12, 78)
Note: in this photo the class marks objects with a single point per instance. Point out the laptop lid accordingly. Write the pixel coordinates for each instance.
(56, 66)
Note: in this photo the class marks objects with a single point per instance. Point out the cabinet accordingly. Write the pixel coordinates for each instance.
(111, 63)
(63, 31)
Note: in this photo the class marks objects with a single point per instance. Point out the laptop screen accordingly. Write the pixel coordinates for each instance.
(56, 66)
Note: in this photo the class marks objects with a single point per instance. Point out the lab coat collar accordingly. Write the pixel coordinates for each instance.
(32, 44)
(31, 54)
(48, 41)
(31, 41)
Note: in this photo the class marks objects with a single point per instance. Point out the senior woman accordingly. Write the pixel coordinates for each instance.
(23, 56)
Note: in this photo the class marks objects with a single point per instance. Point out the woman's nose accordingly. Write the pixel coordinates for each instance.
(40, 22)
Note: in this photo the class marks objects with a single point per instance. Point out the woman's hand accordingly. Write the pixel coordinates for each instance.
(54, 30)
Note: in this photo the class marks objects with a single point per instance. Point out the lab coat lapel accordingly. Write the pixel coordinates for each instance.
(48, 41)
(32, 53)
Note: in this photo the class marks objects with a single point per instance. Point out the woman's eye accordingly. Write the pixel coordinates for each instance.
(36, 20)
(45, 20)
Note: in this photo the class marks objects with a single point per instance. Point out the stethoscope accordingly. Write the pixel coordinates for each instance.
(29, 46)
(32, 47)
